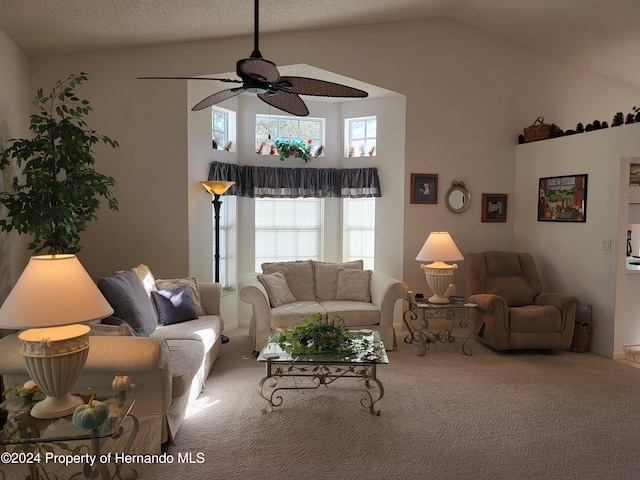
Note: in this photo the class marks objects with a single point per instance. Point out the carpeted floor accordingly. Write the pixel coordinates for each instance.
(527, 415)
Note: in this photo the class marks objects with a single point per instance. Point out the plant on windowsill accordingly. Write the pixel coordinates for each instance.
(296, 148)
(59, 190)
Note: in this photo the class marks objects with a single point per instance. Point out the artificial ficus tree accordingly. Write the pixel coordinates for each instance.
(59, 190)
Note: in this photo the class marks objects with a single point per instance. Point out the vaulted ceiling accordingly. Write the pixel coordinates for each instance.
(600, 35)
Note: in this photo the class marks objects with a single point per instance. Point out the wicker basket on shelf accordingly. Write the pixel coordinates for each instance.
(538, 131)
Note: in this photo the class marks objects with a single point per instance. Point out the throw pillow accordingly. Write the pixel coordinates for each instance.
(129, 300)
(299, 275)
(174, 306)
(354, 285)
(327, 277)
(277, 288)
(99, 329)
(191, 283)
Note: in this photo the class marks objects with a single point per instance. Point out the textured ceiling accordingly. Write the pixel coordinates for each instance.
(601, 35)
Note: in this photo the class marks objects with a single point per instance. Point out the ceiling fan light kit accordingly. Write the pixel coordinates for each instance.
(261, 76)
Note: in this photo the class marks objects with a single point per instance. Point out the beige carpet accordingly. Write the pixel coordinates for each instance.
(527, 415)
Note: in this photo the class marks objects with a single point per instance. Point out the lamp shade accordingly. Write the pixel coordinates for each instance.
(53, 290)
(439, 247)
(217, 187)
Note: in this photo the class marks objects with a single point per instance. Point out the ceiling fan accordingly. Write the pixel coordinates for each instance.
(261, 77)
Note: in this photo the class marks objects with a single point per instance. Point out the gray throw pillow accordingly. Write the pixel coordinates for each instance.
(277, 288)
(130, 302)
(174, 306)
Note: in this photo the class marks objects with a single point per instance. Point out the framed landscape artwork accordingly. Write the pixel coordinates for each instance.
(424, 188)
(563, 199)
(494, 207)
(634, 183)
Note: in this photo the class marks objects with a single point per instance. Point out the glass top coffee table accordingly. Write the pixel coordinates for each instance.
(356, 372)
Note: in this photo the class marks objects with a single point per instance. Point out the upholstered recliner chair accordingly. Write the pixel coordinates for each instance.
(512, 312)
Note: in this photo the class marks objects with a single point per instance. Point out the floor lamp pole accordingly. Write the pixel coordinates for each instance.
(217, 203)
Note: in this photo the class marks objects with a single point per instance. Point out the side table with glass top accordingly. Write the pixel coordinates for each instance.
(35, 442)
(417, 317)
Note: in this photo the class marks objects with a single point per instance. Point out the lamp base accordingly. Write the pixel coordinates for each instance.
(56, 407)
(438, 299)
(439, 276)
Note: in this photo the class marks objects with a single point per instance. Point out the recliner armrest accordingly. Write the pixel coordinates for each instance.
(567, 304)
(489, 302)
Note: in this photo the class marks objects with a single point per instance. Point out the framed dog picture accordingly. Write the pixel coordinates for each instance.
(494, 207)
(424, 188)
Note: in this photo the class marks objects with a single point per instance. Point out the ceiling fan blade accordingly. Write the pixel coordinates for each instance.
(258, 68)
(288, 102)
(227, 80)
(218, 97)
(321, 88)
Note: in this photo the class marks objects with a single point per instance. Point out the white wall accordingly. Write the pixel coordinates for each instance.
(14, 123)
(569, 256)
(468, 96)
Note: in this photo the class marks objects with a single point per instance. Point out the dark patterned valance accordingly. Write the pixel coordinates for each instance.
(282, 182)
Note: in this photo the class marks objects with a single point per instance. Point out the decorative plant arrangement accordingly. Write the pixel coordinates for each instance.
(290, 148)
(26, 391)
(59, 190)
(553, 131)
(317, 336)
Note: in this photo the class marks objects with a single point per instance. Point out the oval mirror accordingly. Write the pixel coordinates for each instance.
(458, 197)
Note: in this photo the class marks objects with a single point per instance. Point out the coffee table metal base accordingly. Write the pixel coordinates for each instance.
(309, 375)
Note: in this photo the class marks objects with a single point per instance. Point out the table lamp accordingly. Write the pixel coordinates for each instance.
(439, 248)
(52, 298)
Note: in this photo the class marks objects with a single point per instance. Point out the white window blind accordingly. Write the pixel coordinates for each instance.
(287, 229)
(359, 223)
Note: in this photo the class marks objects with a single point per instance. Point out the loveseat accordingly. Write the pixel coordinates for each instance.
(287, 292)
(172, 360)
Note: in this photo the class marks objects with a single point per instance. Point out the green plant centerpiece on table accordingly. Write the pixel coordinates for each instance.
(59, 190)
(317, 336)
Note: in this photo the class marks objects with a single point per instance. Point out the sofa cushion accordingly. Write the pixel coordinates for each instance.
(186, 359)
(299, 275)
(191, 283)
(291, 314)
(145, 276)
(174, 306)
(353, 314)
(276, 286)
(128, 298)
(99, 329)
(326, 277)
(354, 285)
(205, 329)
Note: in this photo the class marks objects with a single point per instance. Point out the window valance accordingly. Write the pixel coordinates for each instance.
(283, 182)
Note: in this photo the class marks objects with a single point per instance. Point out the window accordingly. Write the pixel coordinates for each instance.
(270, 128)
(227, 242)
(361, 136)
(223, 127)
(359, 224)
(287, 229)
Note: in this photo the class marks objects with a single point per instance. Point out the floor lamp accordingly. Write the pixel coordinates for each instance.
(53, 297)
(217, 188)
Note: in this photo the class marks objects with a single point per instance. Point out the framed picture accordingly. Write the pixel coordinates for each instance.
(494, 207)
(424, 188)
(634, 183)
(563, 199)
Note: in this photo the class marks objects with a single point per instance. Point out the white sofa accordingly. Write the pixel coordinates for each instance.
(172, 362)
(361, 298)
